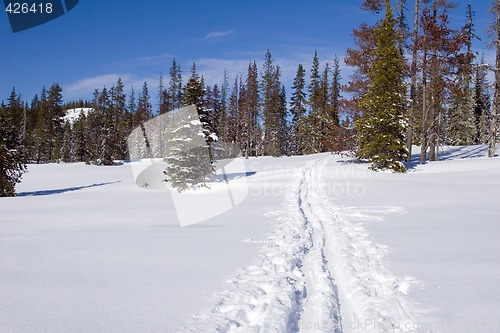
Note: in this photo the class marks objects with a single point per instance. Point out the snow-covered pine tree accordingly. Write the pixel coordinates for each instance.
(189, 156)
(189, 164)
(381, 127)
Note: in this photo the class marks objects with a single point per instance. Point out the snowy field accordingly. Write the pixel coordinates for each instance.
(321, 244)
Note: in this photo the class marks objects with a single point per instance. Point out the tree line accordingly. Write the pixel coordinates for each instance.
(413, 84)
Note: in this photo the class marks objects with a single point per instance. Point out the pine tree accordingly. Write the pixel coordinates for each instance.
(332, 142)
(223, 129)
(274, 114)
(482, 103)
(194, 94)
(12, 159)
(298, 110)
(381, 128)
(233, 113)
(189, 164)
(54, 121)
(119, 121)
(189, 153)
(360, 59)
(67, 144)
(461, 129)
(175, 86)
(144, 108)
(163, 98)
(440, 45)
(249, 112)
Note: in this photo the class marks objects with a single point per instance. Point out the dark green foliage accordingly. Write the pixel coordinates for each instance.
(381, 127)
(12, 158)
(298, 106)
(274, 109)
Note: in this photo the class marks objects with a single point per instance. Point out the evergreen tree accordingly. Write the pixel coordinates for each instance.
(250, 112)
(298, 110)
(54, 121)
(194, 94)
(175, 86)
(189, 153)
(482, 103)
(381, 127)
(439, 45)
(82, 133)
(163, 98)
(12, 159)
(119, 121)
(144, 108)
(274, 109)
(461, 129)
(189, 164)
(67, 148)
(233, 113)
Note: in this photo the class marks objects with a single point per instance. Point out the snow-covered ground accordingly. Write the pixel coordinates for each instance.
(321, 244)
(73, 114)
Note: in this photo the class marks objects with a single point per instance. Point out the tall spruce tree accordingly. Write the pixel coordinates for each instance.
(273, 111)
(12, 158)
(175, 86)
(482, 103)
(298, 110)
(381, 127)
(190, 160)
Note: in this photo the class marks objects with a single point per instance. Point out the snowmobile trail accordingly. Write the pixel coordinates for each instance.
(319, 272)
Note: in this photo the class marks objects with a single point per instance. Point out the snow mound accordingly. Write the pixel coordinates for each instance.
(73, 114)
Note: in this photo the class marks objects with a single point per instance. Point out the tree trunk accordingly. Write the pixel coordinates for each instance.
(424, 135)
(413, 84)
(434, 104)
(496, 98)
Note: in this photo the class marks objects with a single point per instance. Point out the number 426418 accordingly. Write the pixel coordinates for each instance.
(25, 8)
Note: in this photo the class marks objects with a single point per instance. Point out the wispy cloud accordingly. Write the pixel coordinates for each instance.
(144, 61)
(219, 34)
(84, 88)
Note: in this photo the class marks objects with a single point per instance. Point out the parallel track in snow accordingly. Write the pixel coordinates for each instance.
(320, 272)
(320, 310)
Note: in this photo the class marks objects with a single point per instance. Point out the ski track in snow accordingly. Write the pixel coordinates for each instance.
(319, 272)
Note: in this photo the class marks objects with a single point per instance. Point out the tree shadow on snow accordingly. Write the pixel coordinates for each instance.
(61, 190)
(236, 175)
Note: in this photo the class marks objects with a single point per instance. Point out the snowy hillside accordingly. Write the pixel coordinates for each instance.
(321, 244)
(73, 114)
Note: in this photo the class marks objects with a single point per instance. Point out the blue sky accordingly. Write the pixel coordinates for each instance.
(101, 40)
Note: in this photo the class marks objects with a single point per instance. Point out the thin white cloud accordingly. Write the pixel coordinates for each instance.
(145, 61)
(84, 88)
(219, 34)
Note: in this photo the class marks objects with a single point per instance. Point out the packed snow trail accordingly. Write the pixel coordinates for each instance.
(320, 272)
(320, 310)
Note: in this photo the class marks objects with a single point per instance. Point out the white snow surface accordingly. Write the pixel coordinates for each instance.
(321, 244)
(73, 114)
